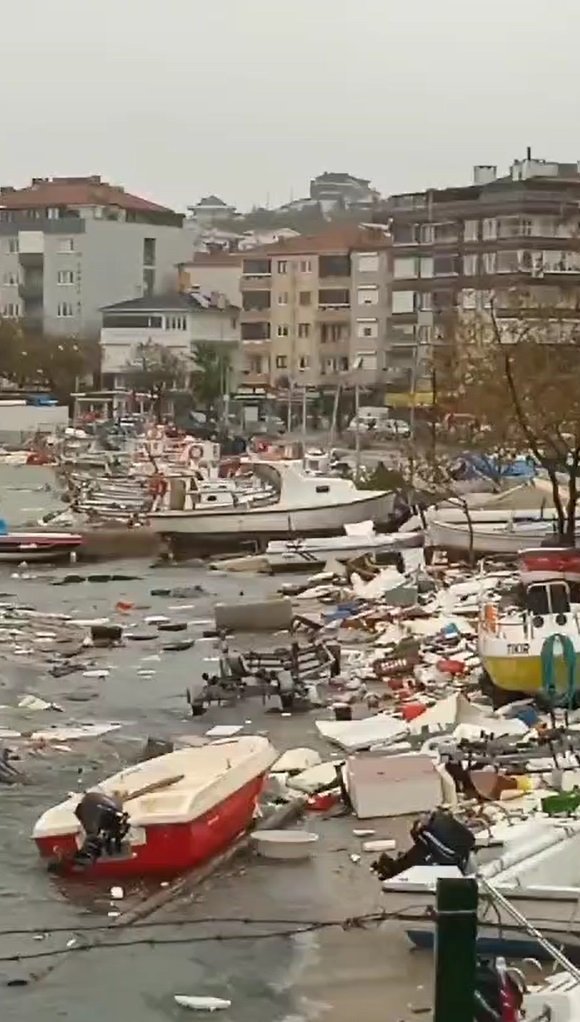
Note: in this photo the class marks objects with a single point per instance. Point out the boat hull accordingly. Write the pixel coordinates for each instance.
(264, 522)
(16, 547)
(164, 849)
(525, 674)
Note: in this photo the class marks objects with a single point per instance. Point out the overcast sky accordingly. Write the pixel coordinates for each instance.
(250, 98)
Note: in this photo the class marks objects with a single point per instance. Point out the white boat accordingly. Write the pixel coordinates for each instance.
(534, 863)
(306, 554)
(303, 505)
(491, 537)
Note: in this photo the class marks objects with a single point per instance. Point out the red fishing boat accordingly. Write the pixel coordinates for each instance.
(160, 817)
(541, 564)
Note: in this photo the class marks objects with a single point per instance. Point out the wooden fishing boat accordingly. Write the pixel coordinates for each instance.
(176, 812)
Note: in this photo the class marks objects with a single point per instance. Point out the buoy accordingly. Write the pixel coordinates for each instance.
(202, 1003)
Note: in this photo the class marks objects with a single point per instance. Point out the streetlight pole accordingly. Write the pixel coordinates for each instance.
(357, 429)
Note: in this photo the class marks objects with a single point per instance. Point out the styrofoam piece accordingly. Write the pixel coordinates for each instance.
(96, 673)
(386, 844)
(224, 730)
(294, 760)
(202, 1003)
(156, 619)
(385, 786)
(30, 702)
(315, 778)
(68, 733)
(386, 580)
(284, 844)
(361, 734)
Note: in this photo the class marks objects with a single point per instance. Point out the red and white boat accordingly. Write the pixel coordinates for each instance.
(182, 808)
(38, 546)
(542, 564)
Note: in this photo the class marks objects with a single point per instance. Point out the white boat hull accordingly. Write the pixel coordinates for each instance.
(500, 540)
(274, 520)
(308, 553)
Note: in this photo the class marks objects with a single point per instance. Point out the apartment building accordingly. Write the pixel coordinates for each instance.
(70, 245)
(315, 308)
(511, 235)
(175, 322)
(213, 271)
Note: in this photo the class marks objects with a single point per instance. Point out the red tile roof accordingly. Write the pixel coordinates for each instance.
(216, 259)
(89, 191)
(338, 238)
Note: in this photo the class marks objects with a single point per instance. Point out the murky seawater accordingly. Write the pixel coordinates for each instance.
(262, 978)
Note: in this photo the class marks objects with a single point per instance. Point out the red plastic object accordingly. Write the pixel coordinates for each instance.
(451, 666)
(323, 801)
(411, 710)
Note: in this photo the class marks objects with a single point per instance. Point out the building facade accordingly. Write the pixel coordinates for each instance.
(315, 308)
(213, 271)
(69, 246)
(516, 236)
(175, 322)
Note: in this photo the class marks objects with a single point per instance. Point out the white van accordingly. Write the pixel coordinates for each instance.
(367, 414)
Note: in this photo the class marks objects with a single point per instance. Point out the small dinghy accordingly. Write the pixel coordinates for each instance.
(160, 817)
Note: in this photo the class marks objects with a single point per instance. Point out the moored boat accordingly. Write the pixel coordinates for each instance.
(38, 546)
(527, 649)
(539, 564)
(307, 553)
(173, 812)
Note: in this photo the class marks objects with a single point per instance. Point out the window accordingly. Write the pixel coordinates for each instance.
(149, 251)
(255, 300)
(305, 266)
(469, 299)
(426, 234)
(368, 295)
(10, 279)
(305, 298)
(233, 323)
(12, 310)
(334, 296)
(148, 280)
(333, 332)
(132, 320)
(471, 230)
(405, 234)
(53, 212)
(489, 229)
(334, 266)
(255, 331)
(489, 261)
(343, 363)
(470, 265)
(368, 263)
(304, 329)
(66, 245)
(283, 330)
(367, 328)
(281, 362)
(405, 268)
(425, 301)
(283, 298)
(426, 266)
(513, 227)
(65, 277)
(282, 266)
(65, 310)
(508, 262)
(257, 267)
(366, 360)
(403, 301)
(13, 245)
(446, 265)
(303, 362)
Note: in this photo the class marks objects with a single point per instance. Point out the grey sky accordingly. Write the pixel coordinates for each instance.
(250, 98)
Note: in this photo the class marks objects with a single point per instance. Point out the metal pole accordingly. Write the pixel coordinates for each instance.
(289, 410)
(357, 430)
(334, 419)
(304, 415)
(455, 957)
(547, 945)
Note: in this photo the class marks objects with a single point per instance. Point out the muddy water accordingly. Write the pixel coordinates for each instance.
(323, 974)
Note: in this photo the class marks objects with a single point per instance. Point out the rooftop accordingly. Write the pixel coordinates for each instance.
(188, 301)
(339, 238)
(75, 191)
(212, 200)
(215, 259)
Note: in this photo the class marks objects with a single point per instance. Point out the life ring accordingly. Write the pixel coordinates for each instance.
(490, 617)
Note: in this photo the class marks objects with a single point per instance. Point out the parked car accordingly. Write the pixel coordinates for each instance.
(396, 428)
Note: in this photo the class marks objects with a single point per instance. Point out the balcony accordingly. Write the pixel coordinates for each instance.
(31, 289)
(31, 260)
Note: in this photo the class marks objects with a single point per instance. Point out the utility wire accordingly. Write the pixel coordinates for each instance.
(347, 924)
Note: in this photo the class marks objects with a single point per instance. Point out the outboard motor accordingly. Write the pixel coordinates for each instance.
(499, 992)
(438, 839)
(105, 824)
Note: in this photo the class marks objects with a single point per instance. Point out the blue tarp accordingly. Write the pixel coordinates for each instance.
(490, 466)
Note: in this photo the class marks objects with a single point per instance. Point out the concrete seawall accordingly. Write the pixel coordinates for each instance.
(120, 542)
